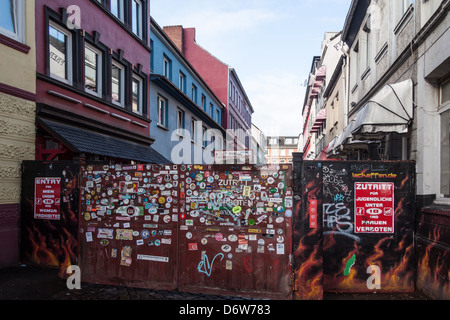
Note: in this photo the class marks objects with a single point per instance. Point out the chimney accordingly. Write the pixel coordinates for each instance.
(175, 33)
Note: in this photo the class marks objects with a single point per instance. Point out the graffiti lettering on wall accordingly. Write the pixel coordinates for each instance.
(205, 266)
(337, 219)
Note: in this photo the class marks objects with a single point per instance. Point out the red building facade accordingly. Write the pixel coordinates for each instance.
(93, 66)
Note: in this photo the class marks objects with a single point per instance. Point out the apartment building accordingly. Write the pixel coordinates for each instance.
(223, 81)
(93, 67)
(185, 111)
(17, 115)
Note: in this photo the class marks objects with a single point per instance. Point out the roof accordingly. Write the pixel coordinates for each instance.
(81, 140)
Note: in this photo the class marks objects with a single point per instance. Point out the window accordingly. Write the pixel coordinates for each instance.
(194, 93)
(180, 119)
(211, 110)
(60, 53)
(193, 129)
(204, 102)
(92, 70)
(162, 112)
(136, 17)
(137, 95)
(167, 65)
(117, 83)
(354, 66)
(117, 8)
(182, 82)
(218, 117)
(445, 141)
(445, 154)
(205, 142)
(12, 14)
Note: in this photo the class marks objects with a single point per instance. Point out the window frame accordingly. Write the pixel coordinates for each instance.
(122, 80)
(99, 70)
(69, 53)
(444, 106)
(121, 10)
(163, 120)
(139, 14)
(141, 95)
(167, 67)
(19, 22)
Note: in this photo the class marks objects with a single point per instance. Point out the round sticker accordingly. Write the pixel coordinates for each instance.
(226, 248)
(135, 233)
(237, 209)
(251, 222)
(204, 241)
(87, 216)
(288, 213)
(167, 218)
(232, 237)
(270, 180)
(218, 236)
(162, 200)
(188, 235)
(145, 234)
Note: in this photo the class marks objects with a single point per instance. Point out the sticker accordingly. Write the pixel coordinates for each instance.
(226, 248)
(188, 235)
(103, 233)
(229, 265)
(218, 236)
(193, 246)
(204, 241)
(104, 242)
(113, 253)
(124, 234)
(145, 234)
(232, 237)
(139, 242)
(237, 210)
(88, 236)
(125, 256)
(152, 258)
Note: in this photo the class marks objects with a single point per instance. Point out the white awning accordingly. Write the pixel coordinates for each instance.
(390, 110)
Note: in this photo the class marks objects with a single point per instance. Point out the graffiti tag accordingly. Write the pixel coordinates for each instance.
(205, 266)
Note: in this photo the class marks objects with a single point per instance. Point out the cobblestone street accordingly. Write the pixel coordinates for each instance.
(31, 283)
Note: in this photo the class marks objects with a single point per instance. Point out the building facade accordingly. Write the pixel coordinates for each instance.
(17, 115)
(184, 109)
(258, 146)
(279, 149)
(223, 81)
(389, 99)
(93, 67)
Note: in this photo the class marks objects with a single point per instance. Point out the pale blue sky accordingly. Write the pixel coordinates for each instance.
(270, 43)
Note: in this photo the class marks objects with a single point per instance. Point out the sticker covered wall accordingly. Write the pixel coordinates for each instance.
(128, 225)
(235, 230)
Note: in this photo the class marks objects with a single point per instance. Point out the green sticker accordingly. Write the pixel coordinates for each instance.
(237, 209)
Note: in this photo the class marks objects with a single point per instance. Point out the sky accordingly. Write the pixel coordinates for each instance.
(270, 44)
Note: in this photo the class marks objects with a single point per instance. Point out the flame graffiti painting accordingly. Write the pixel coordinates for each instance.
(50, 242)
(331, 256)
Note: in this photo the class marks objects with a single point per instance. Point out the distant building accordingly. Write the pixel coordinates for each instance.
(279, 149)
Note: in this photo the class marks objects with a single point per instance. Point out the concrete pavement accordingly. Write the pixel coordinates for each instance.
(34, 283)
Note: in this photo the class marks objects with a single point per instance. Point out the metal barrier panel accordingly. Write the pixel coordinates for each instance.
(364, 213)
(235, 230)
(49, 214)
(128, 225)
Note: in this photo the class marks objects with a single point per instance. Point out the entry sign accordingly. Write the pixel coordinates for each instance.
(374, 207)
(47, 198)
